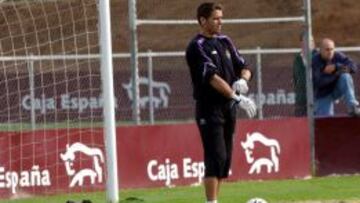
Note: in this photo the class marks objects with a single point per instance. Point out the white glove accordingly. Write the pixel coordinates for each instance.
(240, 86)
(245, 103)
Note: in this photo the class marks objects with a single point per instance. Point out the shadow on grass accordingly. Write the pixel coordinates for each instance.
(132, 200)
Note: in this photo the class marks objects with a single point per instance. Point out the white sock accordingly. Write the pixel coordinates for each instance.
(214, 201)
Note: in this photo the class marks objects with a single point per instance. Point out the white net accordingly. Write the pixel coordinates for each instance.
(51, 103)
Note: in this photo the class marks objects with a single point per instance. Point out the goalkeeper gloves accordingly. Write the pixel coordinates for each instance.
(245, 103)
(240, 86)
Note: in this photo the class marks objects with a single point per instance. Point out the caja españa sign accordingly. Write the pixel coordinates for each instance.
(171, 155)
(33, 177)
(168, 171)
(148, 156)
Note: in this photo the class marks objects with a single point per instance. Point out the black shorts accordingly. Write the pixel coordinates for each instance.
(217, 126)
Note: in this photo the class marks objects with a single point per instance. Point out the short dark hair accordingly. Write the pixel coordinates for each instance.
(205, 9)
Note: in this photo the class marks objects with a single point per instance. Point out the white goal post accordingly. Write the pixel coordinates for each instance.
(109, 105)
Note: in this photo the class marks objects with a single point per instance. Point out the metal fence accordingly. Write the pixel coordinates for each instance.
(135, 22)
(164, 84)
(272, 87)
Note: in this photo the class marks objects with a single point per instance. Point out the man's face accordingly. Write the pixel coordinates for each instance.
(327, 50)
(312, 43)
(212, 25)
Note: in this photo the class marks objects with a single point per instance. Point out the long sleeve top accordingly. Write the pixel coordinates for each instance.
(325, 83)
(208, 56)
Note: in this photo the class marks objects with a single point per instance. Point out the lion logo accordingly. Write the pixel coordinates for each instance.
(78, 176)
(271, 163)
(161, 99)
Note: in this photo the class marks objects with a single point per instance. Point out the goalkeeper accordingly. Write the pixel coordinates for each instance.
(219, 77)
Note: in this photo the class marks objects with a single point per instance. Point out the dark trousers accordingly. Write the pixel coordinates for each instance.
(217, 126)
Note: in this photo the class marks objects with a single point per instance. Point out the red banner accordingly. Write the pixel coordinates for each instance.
(337, 148)
(54, 161)
(172, 155)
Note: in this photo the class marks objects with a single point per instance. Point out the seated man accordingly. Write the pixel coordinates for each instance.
(332, 80)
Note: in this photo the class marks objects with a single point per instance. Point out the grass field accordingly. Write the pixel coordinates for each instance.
(339, 189)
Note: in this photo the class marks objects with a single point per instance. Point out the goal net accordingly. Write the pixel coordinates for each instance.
(51, 115)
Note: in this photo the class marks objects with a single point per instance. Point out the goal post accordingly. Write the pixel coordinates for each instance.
(109, 99)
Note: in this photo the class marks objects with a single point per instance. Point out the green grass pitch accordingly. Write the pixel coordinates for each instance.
(333, 189)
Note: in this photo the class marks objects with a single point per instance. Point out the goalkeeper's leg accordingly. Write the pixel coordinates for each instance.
(212, 137)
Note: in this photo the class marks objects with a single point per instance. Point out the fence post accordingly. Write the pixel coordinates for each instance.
(309, 83)
(30, 65)
(259, 82)
(151, 94)
(134, 62)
